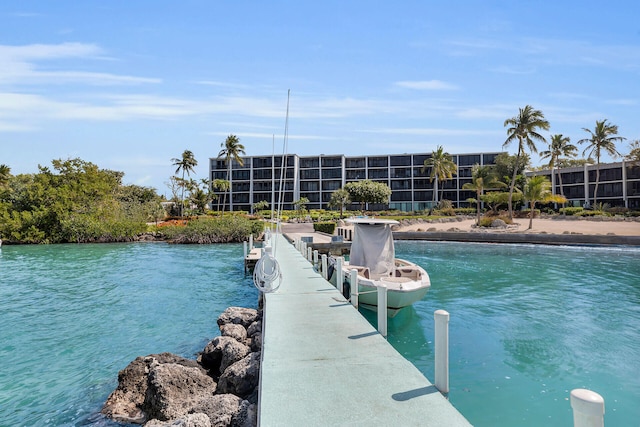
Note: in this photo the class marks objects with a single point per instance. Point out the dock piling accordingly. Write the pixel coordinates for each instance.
(315, 258)
(309, 254)
(354, 287)
(324, 267)
(588, 408)
(382, 309)
(441, 318)
(339, 274)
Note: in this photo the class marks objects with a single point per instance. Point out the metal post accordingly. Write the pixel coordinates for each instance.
(588, 408)
(324, 266)
(339, 274)
(354, 288)
(382, 309)
(441, 318)
(315, 258)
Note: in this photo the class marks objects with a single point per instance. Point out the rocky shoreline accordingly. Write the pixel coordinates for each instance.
(218, 389)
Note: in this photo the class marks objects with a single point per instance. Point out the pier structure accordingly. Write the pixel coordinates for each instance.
(324, 364)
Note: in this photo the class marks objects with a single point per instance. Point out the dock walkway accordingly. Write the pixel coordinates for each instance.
(325, 365)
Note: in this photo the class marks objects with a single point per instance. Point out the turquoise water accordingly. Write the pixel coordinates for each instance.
(72, 316)
(528, 324)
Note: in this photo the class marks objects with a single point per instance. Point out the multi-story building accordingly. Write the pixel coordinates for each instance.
(619, 183)
(317, 177)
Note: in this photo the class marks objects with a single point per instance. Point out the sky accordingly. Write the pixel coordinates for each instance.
(129, 85)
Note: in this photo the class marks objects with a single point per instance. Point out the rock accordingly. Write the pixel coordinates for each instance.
(239, 316)
(125, 403)
(432, 229)
(190, 420)
(174, 390)
(256, 342)
(221, 353)
(241, 378)
(498, 223)
(255, 328)
(237, 332)
(221, 409)
(453, 229)
(247, 415)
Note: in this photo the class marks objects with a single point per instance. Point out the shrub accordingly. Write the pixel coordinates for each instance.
(486, 220)
(571, 210)
(324, 227)
(592, 213)
(465, 211)
(444, 212)
(224, 229)
(618, 210)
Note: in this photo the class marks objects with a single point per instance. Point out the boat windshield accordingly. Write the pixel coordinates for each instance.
(372, 247)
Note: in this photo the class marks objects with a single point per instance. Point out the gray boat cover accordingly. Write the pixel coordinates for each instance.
(372, 247)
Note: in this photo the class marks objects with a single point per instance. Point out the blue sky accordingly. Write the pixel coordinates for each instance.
(129, 85)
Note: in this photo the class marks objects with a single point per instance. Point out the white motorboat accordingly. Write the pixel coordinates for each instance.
(373, 257)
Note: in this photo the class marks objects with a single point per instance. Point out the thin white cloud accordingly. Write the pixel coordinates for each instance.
(434, 131)
(426, 85)
(19, 66)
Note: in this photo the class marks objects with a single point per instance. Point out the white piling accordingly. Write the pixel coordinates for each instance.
(250, 242)
(354, 288)
(382, 309)
(244, 248)
(441, 318)
(315, 258)
(309, 254)
(339, 274)
(303, 248)
(324, 267)
(588, 408)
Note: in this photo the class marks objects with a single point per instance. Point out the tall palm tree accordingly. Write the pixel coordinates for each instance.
(231, 151)
(186, 164)
(442, 168)
(482, 178)
(524, 128)
(560, 148)
(603, 139)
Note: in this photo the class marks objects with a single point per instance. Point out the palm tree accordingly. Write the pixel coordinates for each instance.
(602, 139)
(339, 199)
(222, 185)
(560, 148)
(524, 127)
(538, 189)
(186, 164)
(442, 168)
(231, 151)
(5, 175)
(482, 177)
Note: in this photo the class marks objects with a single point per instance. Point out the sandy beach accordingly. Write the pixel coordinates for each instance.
(540, 225)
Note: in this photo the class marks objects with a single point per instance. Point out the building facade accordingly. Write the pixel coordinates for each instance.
(619, 184)
(263, 178)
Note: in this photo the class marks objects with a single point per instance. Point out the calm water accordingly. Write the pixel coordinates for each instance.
(528, 324)
(71, 316)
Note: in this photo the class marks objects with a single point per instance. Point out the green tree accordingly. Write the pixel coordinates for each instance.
(231, 151)
(634, 152)
(5, 175)
(482, 178)
(602, 140)
(441, 167)
(301, 206)
(260, 206)
(524, 128)
(185, 164)
(222, 185)
(560, 148)
(339, 199)
(538, 189)
(367, 191)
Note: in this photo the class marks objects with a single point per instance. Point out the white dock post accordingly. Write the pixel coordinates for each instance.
(324, 266)
(441, 318)
(309, 254)
(588, 408)
(354, 288)
(244, 248)
(315, 258)
(250, 242)
(303, 248)
(339, 274)
(382, 309)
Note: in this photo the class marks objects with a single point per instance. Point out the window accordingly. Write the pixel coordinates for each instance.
(356, 174)
(331, 185)
(331, 173)
(331, 162)
(309, 162)
(400, 160)
(262, 162)
(610, 174)
(310, 174)
(489, 159)
(309, 186)
(378, 173)
(378, 162)
(468, 160)
(356, 162)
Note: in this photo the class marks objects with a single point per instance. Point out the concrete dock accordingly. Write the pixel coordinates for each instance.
(325, 365)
